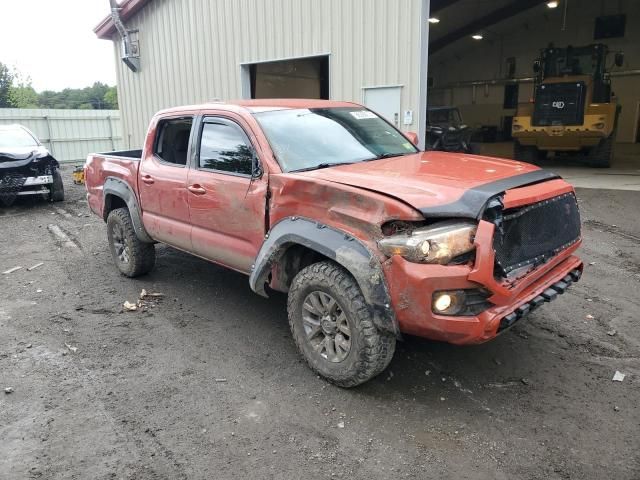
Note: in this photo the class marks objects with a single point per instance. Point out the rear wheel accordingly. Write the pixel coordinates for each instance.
(57, 188)
(601, 155)
(333, 328)
(132, 256)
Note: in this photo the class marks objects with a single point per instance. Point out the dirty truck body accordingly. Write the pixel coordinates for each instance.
(370, 237)
(573, 110)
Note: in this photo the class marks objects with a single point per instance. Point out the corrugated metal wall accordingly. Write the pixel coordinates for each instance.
(70, 135)
(192, 50)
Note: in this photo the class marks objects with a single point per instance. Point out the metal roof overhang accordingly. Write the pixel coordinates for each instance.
(106, 28)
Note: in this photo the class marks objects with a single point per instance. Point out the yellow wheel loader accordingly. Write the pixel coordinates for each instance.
(573, 107)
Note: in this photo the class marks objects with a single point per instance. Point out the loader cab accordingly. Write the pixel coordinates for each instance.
(565, 64)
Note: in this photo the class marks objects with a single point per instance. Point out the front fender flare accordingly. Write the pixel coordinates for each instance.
(344, 249)
(119, 188)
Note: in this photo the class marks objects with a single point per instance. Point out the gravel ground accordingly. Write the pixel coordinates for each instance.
(206, 383)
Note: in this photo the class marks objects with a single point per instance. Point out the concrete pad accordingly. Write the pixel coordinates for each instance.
(623, 175)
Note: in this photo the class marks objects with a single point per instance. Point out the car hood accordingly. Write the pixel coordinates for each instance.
(12, 157)
(438, 184)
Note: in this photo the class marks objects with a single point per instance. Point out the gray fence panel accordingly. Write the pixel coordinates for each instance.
(70, 135)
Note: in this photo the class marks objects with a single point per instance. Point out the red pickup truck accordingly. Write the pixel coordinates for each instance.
(327, 201)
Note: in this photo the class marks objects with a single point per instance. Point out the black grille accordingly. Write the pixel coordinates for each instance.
(10, 185)
(559, 104)
(533, 234)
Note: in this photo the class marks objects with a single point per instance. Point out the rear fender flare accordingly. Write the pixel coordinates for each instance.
(342, 248)
(118, 188)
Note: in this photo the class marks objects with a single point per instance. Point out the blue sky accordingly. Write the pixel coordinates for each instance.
(52, 41)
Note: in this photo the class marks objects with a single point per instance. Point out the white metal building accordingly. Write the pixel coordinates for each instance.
(194, 51)
(388, 54)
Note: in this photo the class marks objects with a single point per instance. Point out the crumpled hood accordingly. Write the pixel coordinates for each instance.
(437, 183)
(13, 157)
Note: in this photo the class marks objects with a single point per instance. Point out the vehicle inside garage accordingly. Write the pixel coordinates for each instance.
(553, 83)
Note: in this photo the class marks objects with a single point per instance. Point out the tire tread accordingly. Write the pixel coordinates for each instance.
(378, 347)
(142, 255)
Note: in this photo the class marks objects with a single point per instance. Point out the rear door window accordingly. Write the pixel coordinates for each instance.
(172, 143)
(224, 147)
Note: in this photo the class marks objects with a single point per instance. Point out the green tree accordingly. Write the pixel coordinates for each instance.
(111, 98)
(16, 91)
(6, 81)
(22, 94)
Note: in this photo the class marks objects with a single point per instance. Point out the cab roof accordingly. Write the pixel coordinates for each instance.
(264, 105)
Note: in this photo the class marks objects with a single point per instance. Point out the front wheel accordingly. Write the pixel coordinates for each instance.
(527, 153)
(132, 256)
(57, 188)
(333, 328)
(601, 155)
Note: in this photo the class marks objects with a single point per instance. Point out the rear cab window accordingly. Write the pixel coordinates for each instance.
(172, 143)
(224, 147)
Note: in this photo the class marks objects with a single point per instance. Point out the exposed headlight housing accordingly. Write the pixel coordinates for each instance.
(437, 243)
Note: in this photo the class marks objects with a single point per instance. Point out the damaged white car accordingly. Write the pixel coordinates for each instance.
(27, 167)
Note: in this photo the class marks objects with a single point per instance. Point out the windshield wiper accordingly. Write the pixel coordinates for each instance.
(387, 155)
(321, 166)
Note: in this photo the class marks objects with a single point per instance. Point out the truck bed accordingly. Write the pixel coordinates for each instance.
(128, 154)
(121, 166)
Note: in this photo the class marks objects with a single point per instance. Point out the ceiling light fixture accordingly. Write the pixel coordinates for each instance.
(552, 4)
(434, 20)
(477, 36)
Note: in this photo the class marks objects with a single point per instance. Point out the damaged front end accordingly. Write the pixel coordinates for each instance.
(26, 173)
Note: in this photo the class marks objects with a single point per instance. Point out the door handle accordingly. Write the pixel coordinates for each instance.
(148, 179)
(196, 189)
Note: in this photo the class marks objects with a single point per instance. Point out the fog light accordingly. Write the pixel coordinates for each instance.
(450, 302)
(458, 303)
(442, 302)
(599, 126)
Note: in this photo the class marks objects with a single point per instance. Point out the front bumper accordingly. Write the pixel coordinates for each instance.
(412, 298)
(412, 285)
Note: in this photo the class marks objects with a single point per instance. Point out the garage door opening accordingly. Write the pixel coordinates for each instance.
(296, 78)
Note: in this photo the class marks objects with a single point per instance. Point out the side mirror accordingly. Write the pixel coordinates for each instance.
(413, 137)
(619, 59)
(536, 67)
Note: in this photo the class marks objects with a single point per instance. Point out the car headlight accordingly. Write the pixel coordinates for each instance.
(437, 243)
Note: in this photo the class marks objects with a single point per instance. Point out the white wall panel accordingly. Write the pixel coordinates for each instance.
(192, 50)
(70, 135)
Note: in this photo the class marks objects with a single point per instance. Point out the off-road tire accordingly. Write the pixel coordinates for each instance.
(527, 153)
(371, 350)
(600, 156)
(57, 188)
(141, 256)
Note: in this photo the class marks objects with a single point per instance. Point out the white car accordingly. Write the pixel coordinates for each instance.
(27, 167)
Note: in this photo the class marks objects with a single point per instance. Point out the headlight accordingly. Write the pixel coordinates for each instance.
(437, 243)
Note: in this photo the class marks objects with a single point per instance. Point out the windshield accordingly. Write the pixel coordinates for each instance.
(16, 137)
(571, 61)
(445, 117)
(305, 139)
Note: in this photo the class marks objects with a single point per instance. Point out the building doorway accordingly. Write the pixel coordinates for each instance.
(294, 78)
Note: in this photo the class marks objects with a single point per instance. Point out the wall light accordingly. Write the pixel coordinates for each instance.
(477, 36)
(434, 20)
(552, 4)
